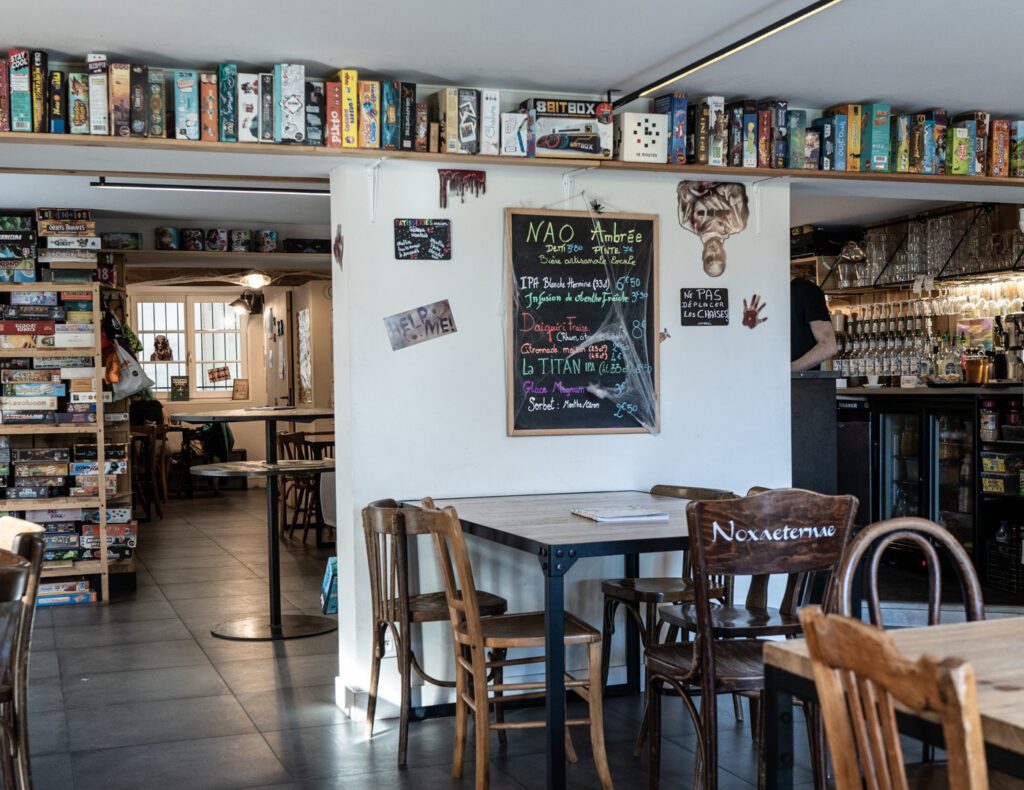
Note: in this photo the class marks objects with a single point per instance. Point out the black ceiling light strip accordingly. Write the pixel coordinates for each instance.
(726, 51)
(104, 184)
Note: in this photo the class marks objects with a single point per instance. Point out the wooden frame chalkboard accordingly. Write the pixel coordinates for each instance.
(605, 278)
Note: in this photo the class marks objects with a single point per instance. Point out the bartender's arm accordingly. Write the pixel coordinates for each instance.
(824, 347)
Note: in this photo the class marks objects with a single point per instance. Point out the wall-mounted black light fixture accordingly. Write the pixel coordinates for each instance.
(104, 184)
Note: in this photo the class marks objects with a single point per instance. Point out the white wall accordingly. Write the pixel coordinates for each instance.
(430, 419)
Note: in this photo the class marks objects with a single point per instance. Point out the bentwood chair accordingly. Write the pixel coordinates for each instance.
(24, 539)
(860, 675)
(475, 636)
(868, 546)
(640, 598)
(386, 528)
(784, 531)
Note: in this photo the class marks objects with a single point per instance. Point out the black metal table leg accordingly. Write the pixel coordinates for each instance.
(554, 681)
(631, 570)
(778, 732)
(275, 626)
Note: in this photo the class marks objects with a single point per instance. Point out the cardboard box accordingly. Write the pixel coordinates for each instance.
(641, 137)
(227, 109)
(43, 327)
(40, 83)
(701, 132)
(958, 151)
(139, 99)
(673, 107)
(66, 599)
(65, 227)
(734, 117)
(490, 122)
(469, 121)
(268, 101)
(854, 117)
(5, 96)
(899, 144)
(290, 109)
(38, 403)
(186, 105)
(40, 469)
(717, 131)
(315, 112)
(14, 342)
(349, 79)
(812, 149)
(369, 114)
(78, 102)
(115, 515)
(981, 122)
(939, 124)
(796, 132)
(445, 110)
(34, 389)
(780, 141)
(21, 90)
(841, 141)
(827, 131)
(765, 125)
(390, 111)
(157, 108)
(71, 242)
(932, 149)
(120, 75)
(874, 139)
(999, 149)
(422, 127)
(57, 98)
(332, 133)
(29, 376)
(568, 128)
(515, 133)
(248, 104)
(407, 119)
(209, 118)
(99, 111)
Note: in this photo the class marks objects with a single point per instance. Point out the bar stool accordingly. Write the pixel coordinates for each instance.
(650, 593)
(386, 528)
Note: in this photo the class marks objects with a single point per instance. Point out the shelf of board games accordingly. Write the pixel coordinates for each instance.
(184, 159)
(102, 567)
(182, 256)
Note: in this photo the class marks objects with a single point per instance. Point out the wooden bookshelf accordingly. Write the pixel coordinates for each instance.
(100, 567)
(312, 164)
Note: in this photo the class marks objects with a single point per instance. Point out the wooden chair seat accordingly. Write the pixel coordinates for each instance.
(739, 665)
(735, 622)
(526, 629)
(432, 607)
(667, 589)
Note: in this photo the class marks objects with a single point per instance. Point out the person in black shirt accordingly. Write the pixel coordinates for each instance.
(812, 339)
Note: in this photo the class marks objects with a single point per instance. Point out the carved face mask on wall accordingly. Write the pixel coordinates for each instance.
(713, 212)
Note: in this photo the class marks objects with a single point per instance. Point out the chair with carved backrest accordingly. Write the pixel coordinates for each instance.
(855, 664)
(386, 529)
(640, 598)
(474, 636)
(783, 531)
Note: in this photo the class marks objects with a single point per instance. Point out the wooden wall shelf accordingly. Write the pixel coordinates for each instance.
(45, 429)
(178, 257)
(184, 159)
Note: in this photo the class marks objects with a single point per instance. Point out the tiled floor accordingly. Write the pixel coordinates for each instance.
(138, 694)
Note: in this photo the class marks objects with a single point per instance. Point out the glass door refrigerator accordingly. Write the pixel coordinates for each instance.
(901, 487)
(951, 452)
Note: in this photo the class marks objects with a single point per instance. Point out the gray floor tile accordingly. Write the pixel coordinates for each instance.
(138, 655)
(221, 650)
(79, 636)
(294, 707)
(42, 664)
(85, 689)
(45, 696)
(52, 771)
(249, 677)
(42, 639)
(114, 612)
(214, 560)
(220, 572)
(47, 732)
(312, 752)
(156, 722)
(180, 591)
(215, 763)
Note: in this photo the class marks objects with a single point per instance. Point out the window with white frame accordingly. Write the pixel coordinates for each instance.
(201, 337)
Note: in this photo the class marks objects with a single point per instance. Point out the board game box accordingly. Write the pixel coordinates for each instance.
(570, 128)
(139, 113)
(38, 75)
(20, 82)
(981, 122)
(58, 103)
(227, 109)
(369, 114)
(490, 122)
(120, 99)
(332, 132)
(186, 105)
(390, 114)
(407, 118)
(157, 104)
(315, 111)
(268, 102)
(673, 105)
(290, 107)
(248, 107)
(99, 111)
(796, 121)
(208, 116)
(349, 79)
(999, 149)
(5, 96)
(78, 102)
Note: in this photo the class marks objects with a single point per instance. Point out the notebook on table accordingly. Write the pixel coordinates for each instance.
(626, 513)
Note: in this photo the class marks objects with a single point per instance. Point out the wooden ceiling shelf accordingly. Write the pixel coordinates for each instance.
(178, 257)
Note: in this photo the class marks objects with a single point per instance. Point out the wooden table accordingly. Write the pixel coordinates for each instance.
(275, 626)
(993, 648)
(543, 525)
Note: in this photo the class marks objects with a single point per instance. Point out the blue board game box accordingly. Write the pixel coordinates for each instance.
(329, 588)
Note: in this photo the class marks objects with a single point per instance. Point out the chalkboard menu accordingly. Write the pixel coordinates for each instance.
(704, 306)
(423, 239)
(583, 350)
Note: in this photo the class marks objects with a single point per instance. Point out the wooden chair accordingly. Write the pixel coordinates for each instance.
(859, 674)
(299, 492)
(784, 531)
(386, 528)
(640, 598)
(871, 543)
(474, 635)
(144, 472)
(24, 539)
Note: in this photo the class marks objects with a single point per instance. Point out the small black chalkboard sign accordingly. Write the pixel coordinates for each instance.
(704, 306)
(423, 239)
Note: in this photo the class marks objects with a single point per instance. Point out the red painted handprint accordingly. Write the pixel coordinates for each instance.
(751, 312)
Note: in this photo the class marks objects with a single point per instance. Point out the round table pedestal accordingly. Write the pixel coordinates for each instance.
(258, 627)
